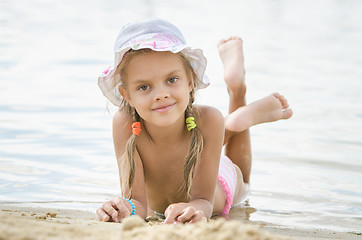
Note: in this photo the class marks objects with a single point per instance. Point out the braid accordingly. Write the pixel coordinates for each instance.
(128, 166)
(194, 153)
(128, 159)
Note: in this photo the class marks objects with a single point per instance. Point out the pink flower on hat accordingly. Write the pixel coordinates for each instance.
(106, 71)
(164, 40)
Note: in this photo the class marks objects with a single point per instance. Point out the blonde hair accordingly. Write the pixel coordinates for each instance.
(127, 160)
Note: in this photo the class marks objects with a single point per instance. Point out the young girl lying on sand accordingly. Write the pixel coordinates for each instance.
(168, 149)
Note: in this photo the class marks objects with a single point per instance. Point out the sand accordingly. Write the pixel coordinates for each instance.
(28, 223)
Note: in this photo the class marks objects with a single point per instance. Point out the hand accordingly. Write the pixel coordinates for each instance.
(114, 210)
(181, 212)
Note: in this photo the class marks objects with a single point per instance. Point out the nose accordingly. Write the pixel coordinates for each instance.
(161, 93)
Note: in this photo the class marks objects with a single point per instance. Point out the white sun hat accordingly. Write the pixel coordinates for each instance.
(158, 35)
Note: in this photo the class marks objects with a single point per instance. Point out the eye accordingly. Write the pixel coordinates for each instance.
(143, 87)
(172, 80)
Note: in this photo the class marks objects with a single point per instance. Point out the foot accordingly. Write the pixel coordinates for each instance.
(232, 57)
(268, 109)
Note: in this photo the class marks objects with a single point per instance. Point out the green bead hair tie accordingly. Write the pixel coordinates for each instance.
(190, 123)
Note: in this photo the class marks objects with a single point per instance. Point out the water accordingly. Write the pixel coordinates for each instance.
(55, 132)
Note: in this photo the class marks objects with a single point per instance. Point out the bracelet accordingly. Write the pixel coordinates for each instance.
(132, 205)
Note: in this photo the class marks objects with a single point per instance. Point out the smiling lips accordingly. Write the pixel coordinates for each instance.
(164, 108)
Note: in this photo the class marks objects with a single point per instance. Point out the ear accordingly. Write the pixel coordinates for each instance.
(191, 85)
(125, 95)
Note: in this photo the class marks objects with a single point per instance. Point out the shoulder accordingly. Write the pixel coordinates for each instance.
(208, 113)
(209, 117)
(121, 119)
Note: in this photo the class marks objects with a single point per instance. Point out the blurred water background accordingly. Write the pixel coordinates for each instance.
(55, 132)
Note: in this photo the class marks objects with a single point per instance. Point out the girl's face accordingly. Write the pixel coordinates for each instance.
(158, 87)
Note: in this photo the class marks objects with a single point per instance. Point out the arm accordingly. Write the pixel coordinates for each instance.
(211, 124)
(117, 208)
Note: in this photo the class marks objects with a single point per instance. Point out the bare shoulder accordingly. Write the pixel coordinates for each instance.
(121, 121)
(209, 118)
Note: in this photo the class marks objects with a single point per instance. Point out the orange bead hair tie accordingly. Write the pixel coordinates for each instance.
(136, 128)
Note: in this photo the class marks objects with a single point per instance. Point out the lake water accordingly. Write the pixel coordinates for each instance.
(55, 132)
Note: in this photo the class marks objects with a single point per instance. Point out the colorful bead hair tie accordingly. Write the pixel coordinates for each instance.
(136, 128)
(132, 205)
(190, 123)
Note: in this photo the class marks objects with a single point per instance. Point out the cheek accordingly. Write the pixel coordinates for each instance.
(137, 100)
(185, 98)
(140, 103)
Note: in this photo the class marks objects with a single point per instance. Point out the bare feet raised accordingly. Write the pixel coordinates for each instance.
(268, 109)
(232, 57)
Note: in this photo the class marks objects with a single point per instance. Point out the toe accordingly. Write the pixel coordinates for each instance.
(282, 100)
(287, 113)
(221, 42)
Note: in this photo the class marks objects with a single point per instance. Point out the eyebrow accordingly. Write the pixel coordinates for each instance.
(141, 81)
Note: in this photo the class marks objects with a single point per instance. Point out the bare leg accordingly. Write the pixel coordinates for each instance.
(241, 116)
(237, 144)
(268, 109)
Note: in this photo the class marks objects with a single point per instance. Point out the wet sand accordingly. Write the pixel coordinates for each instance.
(41, 223)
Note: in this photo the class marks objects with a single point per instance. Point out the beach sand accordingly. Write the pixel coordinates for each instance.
(40, 223)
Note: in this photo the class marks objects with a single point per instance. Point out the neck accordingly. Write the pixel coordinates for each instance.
(170, 133)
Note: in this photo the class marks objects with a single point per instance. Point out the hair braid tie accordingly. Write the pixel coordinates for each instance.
(190, 123)
(136, 128)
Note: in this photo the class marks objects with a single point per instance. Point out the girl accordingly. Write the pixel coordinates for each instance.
(168, 150)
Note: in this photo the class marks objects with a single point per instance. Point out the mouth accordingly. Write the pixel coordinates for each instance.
(164, 108)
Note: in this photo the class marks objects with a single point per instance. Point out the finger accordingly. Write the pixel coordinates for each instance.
(170, 218)
(198, 217)
(109, 209)
(171, 214)
(187, 214)
(102, 215)
(122, 207)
